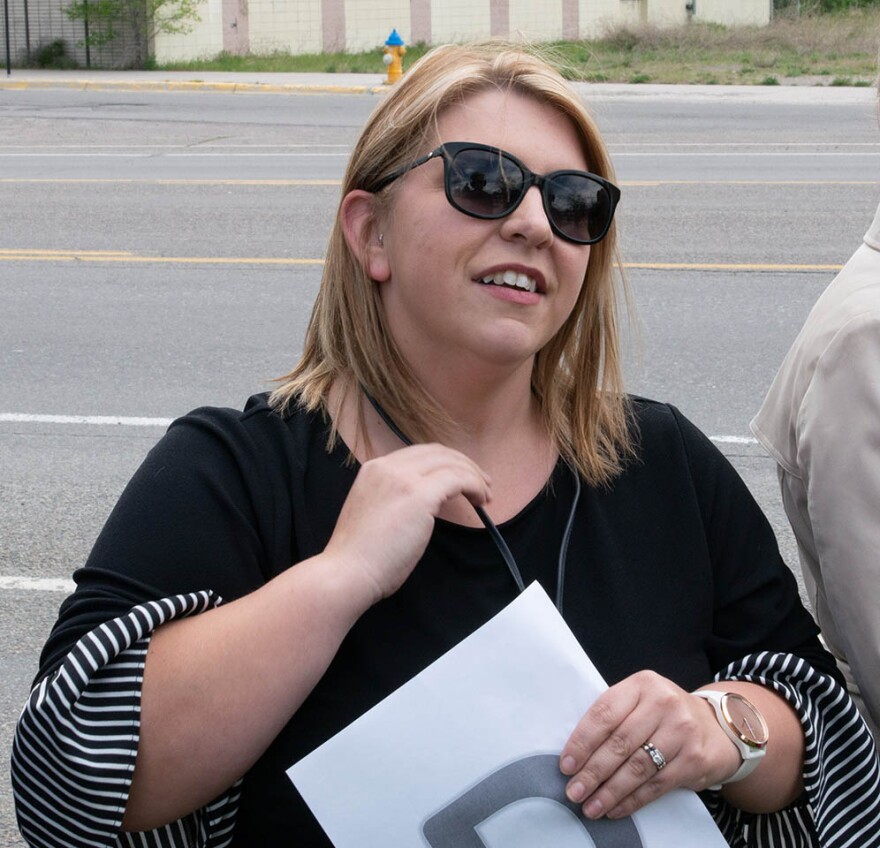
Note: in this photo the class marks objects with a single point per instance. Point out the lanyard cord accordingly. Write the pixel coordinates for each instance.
(494, 533)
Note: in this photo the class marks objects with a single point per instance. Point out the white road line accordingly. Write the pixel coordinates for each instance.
(746, 154)
(734, 440)
(832, 145)
(783, 144)
(195, 155)
(211, 146)
(37, 584)
(123, 421)
(99, 420)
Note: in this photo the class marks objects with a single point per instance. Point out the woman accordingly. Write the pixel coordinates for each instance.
(468, 303)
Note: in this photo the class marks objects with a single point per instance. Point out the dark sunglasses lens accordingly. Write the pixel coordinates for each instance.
(483, 183)
(580, 208)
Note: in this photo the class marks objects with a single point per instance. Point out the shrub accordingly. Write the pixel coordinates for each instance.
(53, 54)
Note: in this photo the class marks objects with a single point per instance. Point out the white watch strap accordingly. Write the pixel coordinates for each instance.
(750, 758)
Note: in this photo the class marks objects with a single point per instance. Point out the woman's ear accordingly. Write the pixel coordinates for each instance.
(358, 214)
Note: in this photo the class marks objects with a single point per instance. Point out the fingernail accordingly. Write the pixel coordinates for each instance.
(569, 766)
(593, 810)
(616, 813)
(576, 792)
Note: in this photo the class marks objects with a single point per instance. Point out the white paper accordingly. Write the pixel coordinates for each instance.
(465, 754)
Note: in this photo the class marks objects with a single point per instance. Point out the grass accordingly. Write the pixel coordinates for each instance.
(829, 49)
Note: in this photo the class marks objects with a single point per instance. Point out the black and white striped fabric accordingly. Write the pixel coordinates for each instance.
(75, 746)
(841, 766)
(76, 742)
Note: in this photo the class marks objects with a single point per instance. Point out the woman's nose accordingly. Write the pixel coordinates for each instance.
(529, 220)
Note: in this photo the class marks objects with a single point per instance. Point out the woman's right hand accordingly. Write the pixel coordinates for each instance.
(388, 516)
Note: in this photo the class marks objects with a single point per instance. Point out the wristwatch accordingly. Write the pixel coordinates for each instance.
(740, 720)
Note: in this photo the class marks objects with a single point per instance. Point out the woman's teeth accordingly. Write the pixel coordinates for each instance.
(511, 278)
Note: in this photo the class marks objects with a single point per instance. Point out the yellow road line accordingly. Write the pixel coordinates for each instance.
(111, 256)
(316, 182)
(194, 85)
(41, 255)
(654, 183)
(726, 266)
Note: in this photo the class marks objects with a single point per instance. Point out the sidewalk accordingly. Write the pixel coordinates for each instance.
(195, 80)
(294, 83)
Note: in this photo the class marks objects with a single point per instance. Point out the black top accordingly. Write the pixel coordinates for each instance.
(671, 568)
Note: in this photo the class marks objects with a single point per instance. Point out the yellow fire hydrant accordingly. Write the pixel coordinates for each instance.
(393, 57)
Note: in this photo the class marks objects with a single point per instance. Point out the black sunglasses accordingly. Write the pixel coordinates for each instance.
(487, 182)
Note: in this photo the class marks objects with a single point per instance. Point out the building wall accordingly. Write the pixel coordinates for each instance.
(367, 25)
(204, 40)
(743, 12)
(313, 26)
(536, 21)
(595, 17)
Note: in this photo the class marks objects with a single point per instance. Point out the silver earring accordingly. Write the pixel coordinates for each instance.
(381, 239)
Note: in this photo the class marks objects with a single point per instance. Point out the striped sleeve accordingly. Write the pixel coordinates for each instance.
(840, 807)
(76, 742)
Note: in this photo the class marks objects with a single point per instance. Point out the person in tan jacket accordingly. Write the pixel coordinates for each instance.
(821, 423)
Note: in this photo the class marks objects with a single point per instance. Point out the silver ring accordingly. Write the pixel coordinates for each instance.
(655, 754)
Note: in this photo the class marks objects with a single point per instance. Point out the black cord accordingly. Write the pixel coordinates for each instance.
(497, 538)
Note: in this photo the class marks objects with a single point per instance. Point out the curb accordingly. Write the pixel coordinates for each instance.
(194, 85)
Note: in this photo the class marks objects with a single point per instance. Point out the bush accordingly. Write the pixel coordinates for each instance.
(143, 19)
(53, 54)
(812, 6)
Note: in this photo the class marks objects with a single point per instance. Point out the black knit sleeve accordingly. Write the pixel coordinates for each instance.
(757, 605)
(209, 508)
(207, 515)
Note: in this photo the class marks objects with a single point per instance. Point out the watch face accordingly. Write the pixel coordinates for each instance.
(748, 723)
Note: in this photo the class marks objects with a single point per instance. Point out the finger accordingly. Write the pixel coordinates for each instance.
(423, 474)
(658, 784)
(620, 755)
(599, 722)
(640, 779)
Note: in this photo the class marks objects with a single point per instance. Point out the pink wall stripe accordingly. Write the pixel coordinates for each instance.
(499, 17)
(420, 21)
(236, 34)
(333, 25)
(571, 22)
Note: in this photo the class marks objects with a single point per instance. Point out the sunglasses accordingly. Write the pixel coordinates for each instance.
(487, 182)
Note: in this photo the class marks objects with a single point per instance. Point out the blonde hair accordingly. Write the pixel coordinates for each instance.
(576, 376)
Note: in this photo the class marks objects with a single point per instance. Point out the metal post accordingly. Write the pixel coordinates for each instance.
(86, 27)
(27, 32)
(8, 51)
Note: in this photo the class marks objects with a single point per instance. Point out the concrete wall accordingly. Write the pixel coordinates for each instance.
(313, 26)
(742, 12)
(596, 17)
(204, 40)
(369, 24)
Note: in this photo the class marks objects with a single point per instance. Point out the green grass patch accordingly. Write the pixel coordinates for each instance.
(837, 46)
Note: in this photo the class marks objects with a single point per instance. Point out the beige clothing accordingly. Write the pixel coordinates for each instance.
(821, 422)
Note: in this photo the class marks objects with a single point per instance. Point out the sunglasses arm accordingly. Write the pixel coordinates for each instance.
(390, 178)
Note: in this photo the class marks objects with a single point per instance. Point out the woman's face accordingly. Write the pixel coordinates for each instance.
(439, 308)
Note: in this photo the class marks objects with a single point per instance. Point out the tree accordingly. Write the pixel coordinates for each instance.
(137, 21)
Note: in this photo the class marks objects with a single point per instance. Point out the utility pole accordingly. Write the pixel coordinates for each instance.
(6, 26)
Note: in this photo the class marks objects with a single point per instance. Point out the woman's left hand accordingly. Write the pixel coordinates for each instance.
(612, 774)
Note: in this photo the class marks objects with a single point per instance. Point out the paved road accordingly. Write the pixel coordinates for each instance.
(161, 249)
